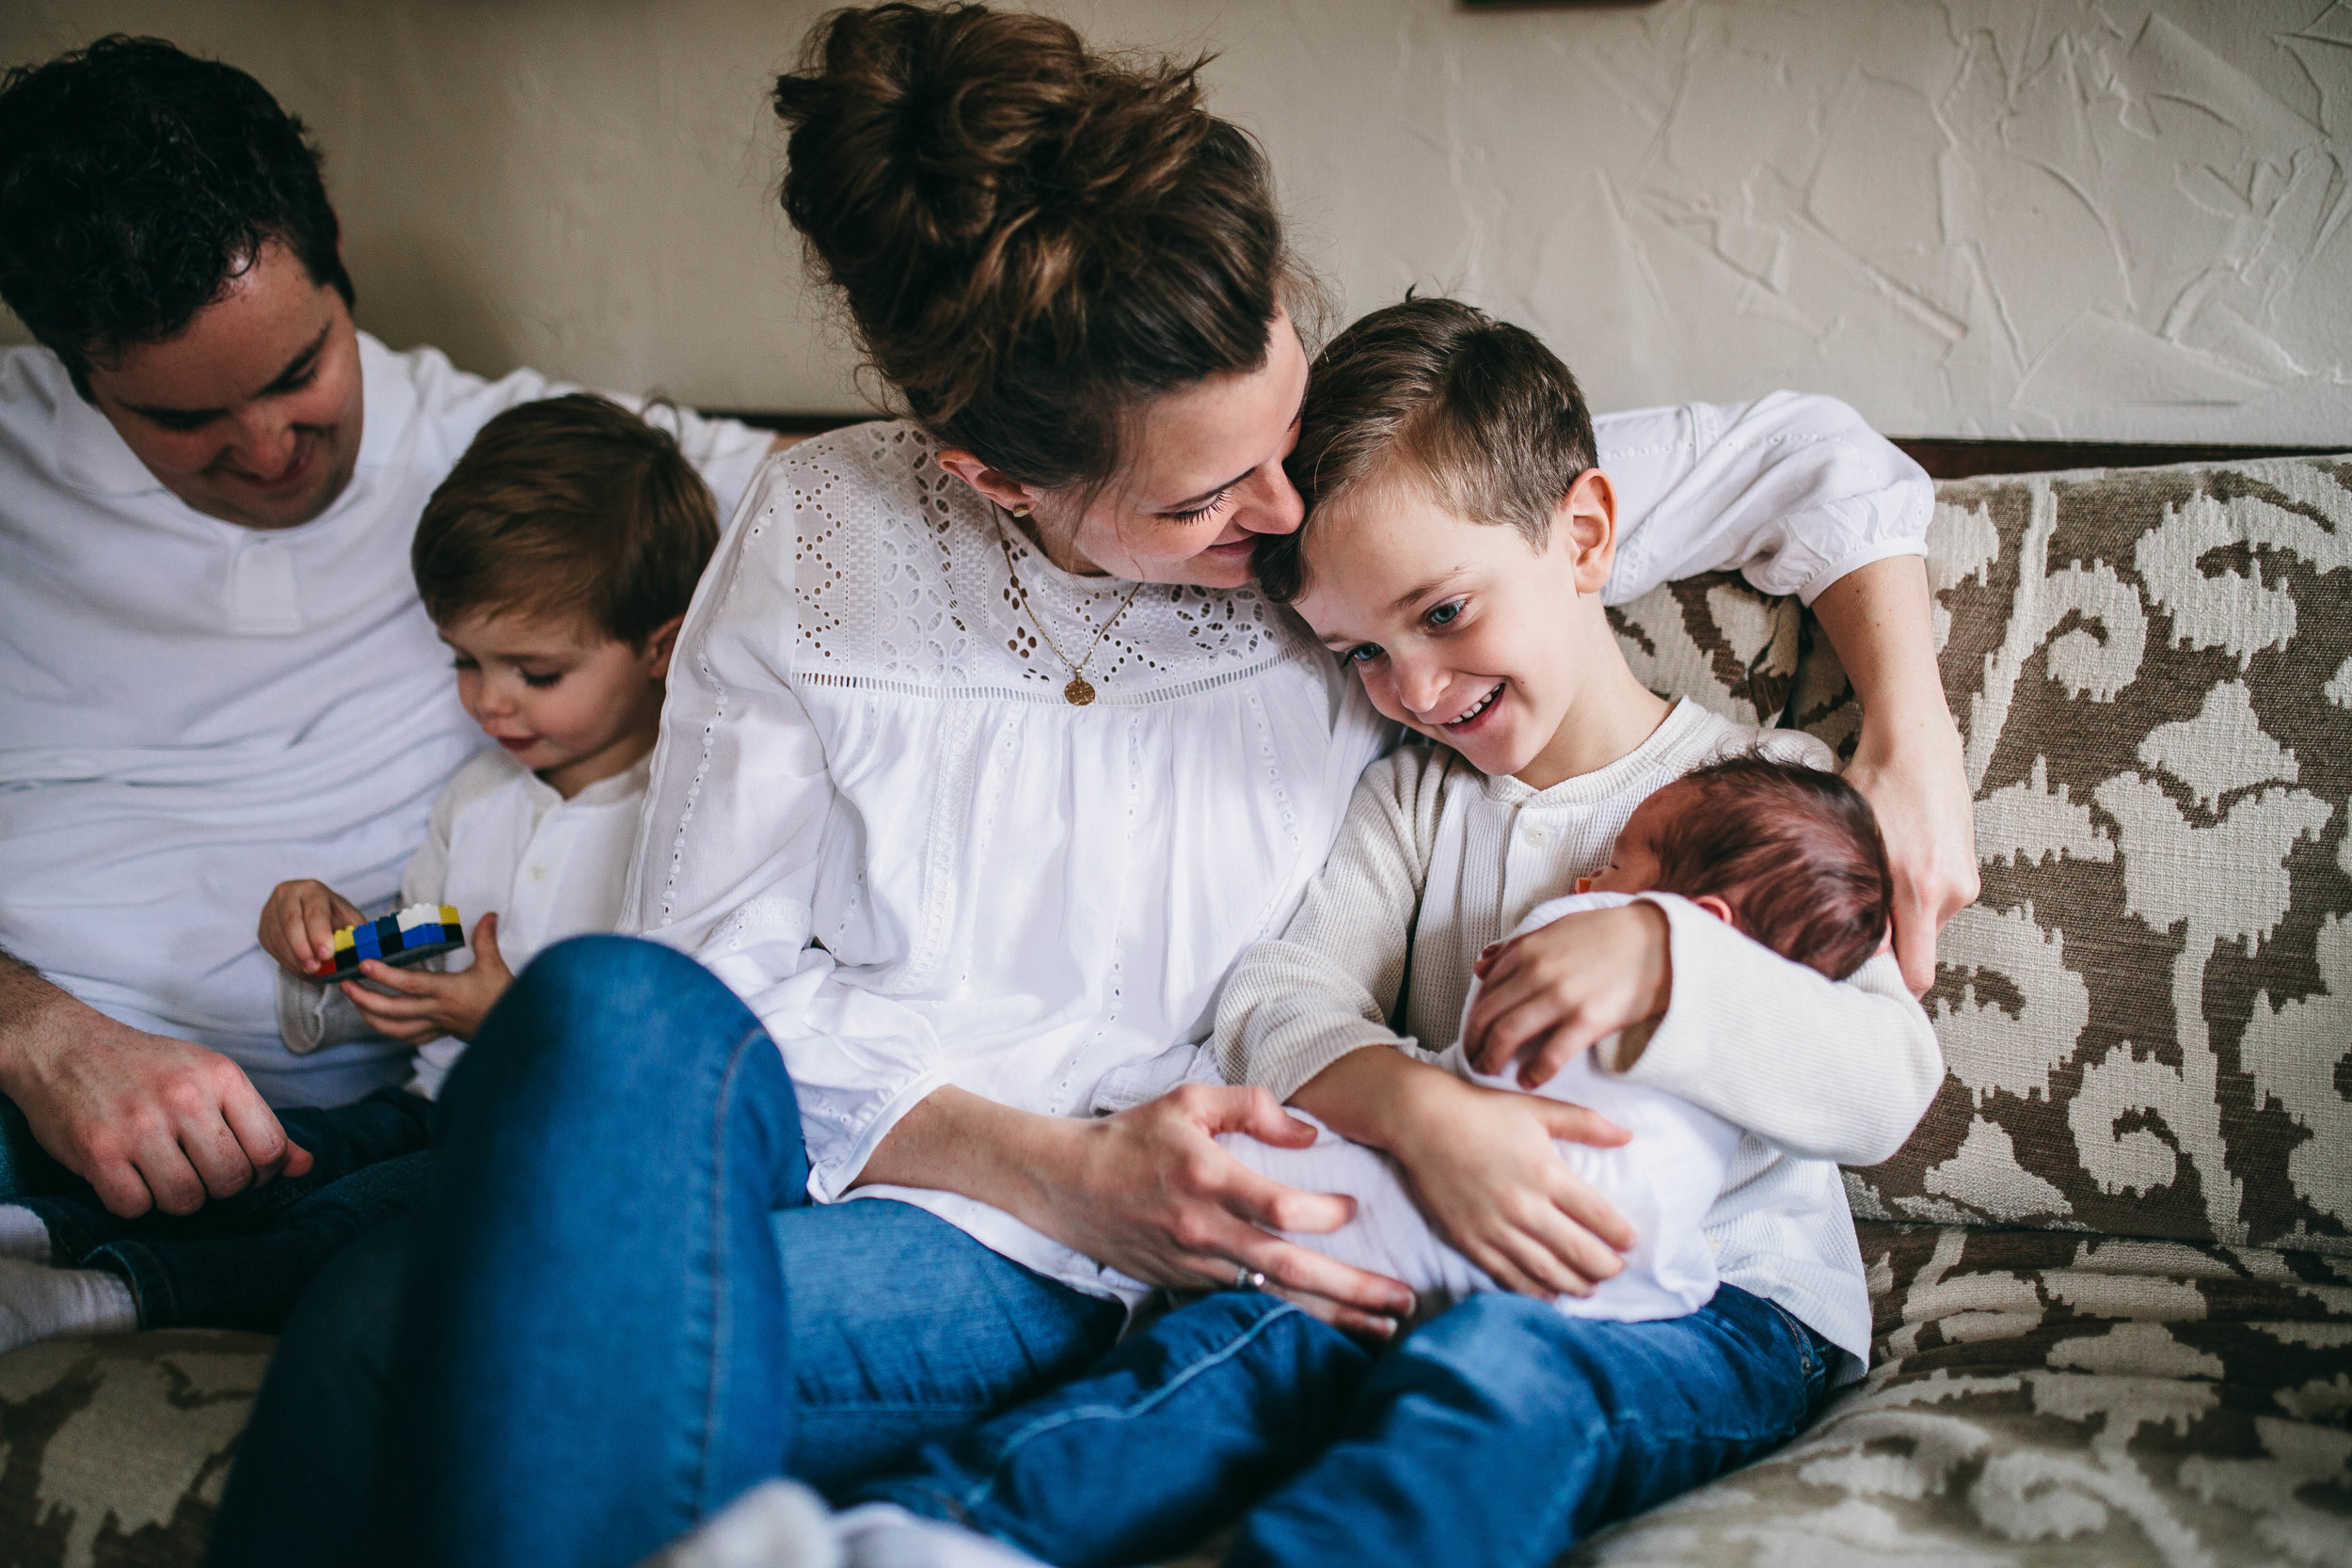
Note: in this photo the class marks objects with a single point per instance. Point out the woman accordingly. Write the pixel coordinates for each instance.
(981, 763)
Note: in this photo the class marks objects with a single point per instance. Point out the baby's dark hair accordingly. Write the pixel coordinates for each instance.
(1477, 413)
(567, 506)
(1796, 853)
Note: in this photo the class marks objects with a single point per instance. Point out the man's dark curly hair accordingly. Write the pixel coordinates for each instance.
(135, 183)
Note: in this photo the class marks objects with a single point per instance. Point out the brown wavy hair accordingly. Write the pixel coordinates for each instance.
(1033, 238)
(571, 505)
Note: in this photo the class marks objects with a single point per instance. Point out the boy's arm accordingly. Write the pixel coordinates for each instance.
(1328, 985)
(1826, 1070)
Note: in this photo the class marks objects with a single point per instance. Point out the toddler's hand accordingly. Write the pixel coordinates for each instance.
(429, 1005)
(1565, 987)
(298, 925)
(1482, 1166)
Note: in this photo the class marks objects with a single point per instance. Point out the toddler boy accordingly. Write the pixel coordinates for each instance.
(557, 560)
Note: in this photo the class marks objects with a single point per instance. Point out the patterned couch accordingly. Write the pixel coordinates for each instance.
(2112, 1269)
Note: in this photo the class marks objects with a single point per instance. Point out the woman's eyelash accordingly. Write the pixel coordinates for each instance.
(1199, 512)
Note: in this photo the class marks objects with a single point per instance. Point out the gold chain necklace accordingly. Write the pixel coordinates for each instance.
(1080, 691)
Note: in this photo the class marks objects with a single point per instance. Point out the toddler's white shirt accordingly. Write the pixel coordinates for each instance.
(1663, 1183)
(500, 841)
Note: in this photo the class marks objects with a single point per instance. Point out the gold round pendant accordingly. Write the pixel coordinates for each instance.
(1078, 692)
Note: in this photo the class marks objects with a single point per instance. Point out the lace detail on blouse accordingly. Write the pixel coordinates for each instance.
(903, 588)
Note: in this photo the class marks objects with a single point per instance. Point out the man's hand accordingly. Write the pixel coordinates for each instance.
(1565, 987)
(429, 1005)
(147, 1120)
(298, 925)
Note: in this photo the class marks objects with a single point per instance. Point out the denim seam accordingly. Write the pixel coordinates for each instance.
(721, 1305)
(1113, 1412)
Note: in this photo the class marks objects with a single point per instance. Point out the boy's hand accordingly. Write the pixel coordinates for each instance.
(1565, 987)
(298, 925)
(1481, 1165)
(429, 1005)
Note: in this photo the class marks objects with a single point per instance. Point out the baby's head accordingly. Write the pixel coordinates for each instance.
(1789, 854)
(557, 560)
(1457, 533)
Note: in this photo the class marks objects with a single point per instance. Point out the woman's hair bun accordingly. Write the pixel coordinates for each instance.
(1030, 235)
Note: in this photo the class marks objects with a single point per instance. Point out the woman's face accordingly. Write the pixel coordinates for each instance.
(1203, 481)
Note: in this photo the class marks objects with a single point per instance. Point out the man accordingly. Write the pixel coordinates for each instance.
(214, 674)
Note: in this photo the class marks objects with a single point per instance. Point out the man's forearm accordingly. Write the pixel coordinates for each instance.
(27, 998)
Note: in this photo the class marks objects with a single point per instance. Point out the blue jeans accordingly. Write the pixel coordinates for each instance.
(239, 1261)
(1497, 1434)
(617, 1309)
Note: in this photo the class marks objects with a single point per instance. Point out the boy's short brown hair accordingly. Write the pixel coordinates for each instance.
(568, 506)
(1477, 413)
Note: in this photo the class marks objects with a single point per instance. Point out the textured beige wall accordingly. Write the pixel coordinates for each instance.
(2083, 219)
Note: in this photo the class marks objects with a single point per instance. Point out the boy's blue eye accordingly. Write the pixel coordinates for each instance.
(1363, 653)
(1444, 614)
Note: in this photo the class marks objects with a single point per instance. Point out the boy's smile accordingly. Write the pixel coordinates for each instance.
(1473, 636)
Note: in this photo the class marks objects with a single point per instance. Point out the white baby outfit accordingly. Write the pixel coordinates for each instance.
(1663, 1183)
(873, 815)
(1436, 861)
(192, 712)
(500, 841)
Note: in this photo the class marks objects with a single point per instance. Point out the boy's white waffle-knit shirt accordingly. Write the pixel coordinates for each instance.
(1435, 861)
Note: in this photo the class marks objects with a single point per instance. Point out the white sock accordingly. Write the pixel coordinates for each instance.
(778, 1524)
(38, 1302)
(883, 1535)
(23, 1235)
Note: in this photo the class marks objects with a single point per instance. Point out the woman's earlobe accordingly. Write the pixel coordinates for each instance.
(1009, 493)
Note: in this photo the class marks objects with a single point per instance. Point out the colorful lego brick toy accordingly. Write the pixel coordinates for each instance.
(418, 932)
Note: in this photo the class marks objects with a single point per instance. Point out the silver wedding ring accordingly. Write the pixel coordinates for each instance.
(1248, 1279)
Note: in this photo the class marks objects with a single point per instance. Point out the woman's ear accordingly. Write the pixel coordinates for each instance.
(1717, 908)
(658, 645)
(1586, 523)
(1006, 492)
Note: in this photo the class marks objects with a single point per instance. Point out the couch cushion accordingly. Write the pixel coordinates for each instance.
(116, 1449)
(2148, 1018)
(2042, 1398)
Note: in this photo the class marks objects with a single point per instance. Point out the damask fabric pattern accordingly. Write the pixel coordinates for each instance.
(2148, 1015)
(113, 1451)
(2038, 1398)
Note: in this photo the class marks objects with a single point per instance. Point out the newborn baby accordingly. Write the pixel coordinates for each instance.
(1782, 851)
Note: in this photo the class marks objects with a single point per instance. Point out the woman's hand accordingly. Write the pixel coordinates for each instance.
(1909, 763)
(1482, 1166)
(1564, 988)
(298, 925)
(1147, 1191)
(1919, 793)
(1153, 1196)
(428, 1005)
